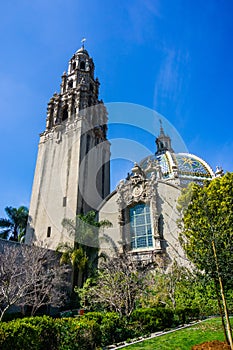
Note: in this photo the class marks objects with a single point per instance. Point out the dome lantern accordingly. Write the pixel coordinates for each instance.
(163, 142)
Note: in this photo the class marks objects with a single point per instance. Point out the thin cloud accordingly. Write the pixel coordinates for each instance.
(168, 81)
(169, 85)
(142, 19)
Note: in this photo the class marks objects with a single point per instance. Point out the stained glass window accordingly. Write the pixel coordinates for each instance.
(140, 227)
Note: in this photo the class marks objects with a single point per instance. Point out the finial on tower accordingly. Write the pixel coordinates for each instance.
(83, 41)
(161, 127)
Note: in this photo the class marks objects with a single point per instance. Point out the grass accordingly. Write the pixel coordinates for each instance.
(184, 339)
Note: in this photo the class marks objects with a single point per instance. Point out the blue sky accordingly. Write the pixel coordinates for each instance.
(171, 56)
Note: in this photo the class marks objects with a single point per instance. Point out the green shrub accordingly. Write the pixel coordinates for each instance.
(45, 333)
(95, 315)
(28, 333)
(113, 327)
(87, 332)
(151, 320)
(78, 333)
(187, 314)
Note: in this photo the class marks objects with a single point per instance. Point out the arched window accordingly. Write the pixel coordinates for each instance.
(82, 65)
(64, 113)
(70, 84)
(140, 227)
(51, 118)
(74, 65)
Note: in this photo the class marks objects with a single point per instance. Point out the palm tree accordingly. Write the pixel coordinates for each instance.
(83, 254)
(76, 257)
(14, 227)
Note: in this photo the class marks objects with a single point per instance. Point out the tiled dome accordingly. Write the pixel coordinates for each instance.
(182, 165)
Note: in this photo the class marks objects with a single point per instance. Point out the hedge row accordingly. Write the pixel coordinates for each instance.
(93, 330)
(40, 333)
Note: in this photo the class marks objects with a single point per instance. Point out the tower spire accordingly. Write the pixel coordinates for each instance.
(163, 141)
(161, 127)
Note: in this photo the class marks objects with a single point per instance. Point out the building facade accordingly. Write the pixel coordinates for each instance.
(72, 176)
(143, 208)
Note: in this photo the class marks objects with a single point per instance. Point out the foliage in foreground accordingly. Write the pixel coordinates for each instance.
(95, 329)
(39, 333)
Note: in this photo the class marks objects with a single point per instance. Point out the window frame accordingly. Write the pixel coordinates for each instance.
(148, 225)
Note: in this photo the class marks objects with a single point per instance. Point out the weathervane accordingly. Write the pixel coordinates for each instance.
(83, 41)
(161, 127)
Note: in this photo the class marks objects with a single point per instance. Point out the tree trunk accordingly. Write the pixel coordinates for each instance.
(220, 310)
(223, 299)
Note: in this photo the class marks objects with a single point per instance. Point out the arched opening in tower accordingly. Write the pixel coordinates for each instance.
(82, 65)
(64, 113)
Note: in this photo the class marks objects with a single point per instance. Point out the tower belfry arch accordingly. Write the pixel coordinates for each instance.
(72, 170)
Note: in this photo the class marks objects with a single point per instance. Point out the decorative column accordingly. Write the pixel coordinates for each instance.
(154, 211)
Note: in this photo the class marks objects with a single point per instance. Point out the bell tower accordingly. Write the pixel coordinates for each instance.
(72, 174)
(163, 142)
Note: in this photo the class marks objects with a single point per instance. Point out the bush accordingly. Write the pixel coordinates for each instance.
(34, 333)
(110, 326)
(87, 332)
(113, 327)
(151, 320)
(40, 333)
(78, 333)
(187, 314)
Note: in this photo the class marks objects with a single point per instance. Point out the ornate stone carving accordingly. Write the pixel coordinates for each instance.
(135, 189)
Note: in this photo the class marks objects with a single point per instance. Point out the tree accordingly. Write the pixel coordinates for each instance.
(118, 286)
(14, 228)
(85, 229)
(77, 258)
(30, 276)
(207, 234)
(165, 287)
(84, 253)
